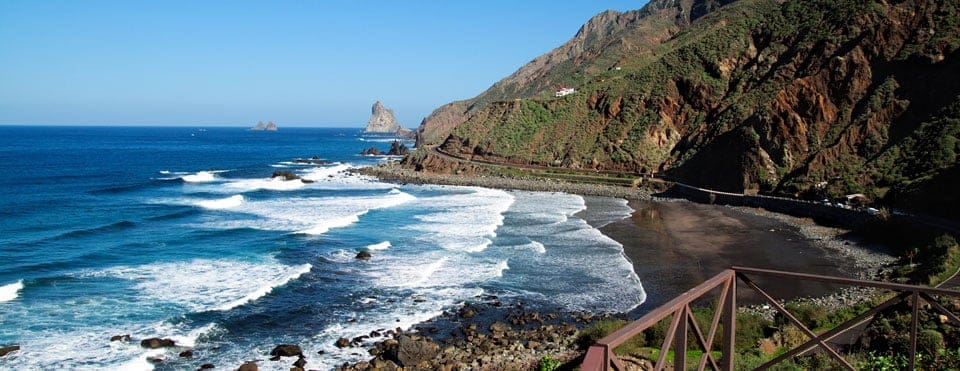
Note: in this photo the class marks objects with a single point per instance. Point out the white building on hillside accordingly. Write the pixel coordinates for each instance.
(565, 91)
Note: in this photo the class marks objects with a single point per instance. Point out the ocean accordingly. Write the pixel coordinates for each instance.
(181, 233)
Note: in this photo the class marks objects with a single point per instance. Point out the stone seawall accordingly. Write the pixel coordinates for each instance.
(819, 212)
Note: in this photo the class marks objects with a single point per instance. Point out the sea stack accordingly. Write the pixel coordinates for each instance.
(260, 126)
(382, 121)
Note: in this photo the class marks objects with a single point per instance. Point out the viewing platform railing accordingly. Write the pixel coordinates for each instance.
(600, 356)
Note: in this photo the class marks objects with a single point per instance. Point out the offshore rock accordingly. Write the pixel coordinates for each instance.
(154, 343)
(260, 126)
(286, 350)
(398, 149)
(8, 349)
(382, 121)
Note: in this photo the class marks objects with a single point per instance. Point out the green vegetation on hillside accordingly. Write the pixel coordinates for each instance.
(815, 98)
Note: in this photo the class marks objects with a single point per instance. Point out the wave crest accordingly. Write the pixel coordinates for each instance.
(11, 291)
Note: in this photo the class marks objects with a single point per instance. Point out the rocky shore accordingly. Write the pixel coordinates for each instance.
(392, 172)
(481, 336)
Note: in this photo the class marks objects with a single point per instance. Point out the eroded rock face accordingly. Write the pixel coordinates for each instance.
(382, 121)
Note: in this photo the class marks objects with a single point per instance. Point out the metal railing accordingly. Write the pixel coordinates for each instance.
(600, 356)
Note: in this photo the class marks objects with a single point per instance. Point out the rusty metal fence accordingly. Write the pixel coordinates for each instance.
(600, 356)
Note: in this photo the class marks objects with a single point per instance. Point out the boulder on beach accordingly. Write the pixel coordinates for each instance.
(9, 349)
(286, 350)
(154, 343)
(415, 350)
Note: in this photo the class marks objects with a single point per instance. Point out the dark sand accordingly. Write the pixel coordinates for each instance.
(675, 246)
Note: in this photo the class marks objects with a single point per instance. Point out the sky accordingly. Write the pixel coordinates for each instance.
(297, 63)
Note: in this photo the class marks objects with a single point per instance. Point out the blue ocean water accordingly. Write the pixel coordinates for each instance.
(182, 233)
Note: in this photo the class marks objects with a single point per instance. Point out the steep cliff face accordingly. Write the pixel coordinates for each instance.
(598, 46)
(382, 121)
(812, 98)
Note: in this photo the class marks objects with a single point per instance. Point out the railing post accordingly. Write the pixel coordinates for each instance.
(680, 340)
(730, 324)
(913, 330)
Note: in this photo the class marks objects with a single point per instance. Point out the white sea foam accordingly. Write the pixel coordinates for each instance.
(463, 221)
(325, 172)
(200, 177)
(202, 284)
(223, 203)
(536, 246)
(384, 140)
(10, 291)
(328, 224)
(574, 247)
(272, 184)
(379, 246)
(305, 215)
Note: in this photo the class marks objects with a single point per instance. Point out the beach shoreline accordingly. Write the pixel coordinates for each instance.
(691, 242)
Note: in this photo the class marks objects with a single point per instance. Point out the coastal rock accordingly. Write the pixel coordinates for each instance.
(154, 343)
(300, 362)
(285, 174)
(186, 354)
(372, 151)
(260, 126)
(207, 366)
(9, 349)
(398, 149)
(342, 343)
(315, 160)
(364, 255)
(249, 366)
(413, 351)
(286, 350)
(382, 121)
(125, 337)
(288, 175)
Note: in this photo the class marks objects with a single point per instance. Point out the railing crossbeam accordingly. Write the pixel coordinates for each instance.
(836, 331)
(933, 302)
(600, 357)
(795, 321)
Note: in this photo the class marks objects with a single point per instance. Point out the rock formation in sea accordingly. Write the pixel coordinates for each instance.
(396, 149)
(382, 121)
(269, 126)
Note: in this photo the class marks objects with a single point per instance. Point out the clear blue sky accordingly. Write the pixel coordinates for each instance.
(298, 63)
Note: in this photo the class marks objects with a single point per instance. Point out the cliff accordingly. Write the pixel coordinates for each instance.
(382, 121)
(599, 45)
(802, 98)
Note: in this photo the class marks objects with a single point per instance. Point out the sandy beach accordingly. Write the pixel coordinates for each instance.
(675, 245)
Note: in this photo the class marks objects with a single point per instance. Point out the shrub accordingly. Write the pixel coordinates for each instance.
(548, 364)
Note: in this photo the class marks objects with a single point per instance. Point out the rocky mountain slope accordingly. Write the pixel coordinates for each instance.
(813, 98)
